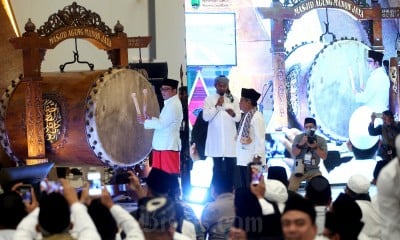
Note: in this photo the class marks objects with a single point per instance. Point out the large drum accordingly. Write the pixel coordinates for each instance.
(323, 88)
(89, 118)
(298, 64)
(336, 68)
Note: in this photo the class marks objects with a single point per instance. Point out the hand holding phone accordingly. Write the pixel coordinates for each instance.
(94, 179)
(25, 191)
(255, 172)
(50, 186)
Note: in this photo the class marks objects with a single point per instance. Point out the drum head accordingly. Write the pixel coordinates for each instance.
(335, 69)
(112, 129)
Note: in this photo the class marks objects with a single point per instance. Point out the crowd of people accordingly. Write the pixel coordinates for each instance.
(244, 204)
(267, 210)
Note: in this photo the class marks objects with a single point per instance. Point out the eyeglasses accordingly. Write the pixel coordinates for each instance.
(164, 89)
(370, 61)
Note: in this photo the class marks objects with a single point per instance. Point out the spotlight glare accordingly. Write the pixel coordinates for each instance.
(197, 194)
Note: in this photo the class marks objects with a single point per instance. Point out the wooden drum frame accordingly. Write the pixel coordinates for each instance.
(89, 118)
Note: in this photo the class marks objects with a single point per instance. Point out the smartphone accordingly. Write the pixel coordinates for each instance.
(255, 172)
(51, 186)
(378, 115)
(94, 179)
(25, 191)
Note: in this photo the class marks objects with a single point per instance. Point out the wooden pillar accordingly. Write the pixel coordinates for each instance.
(377, 41)
(122, 51)
(34, 45)
(394, 96)
(32, 58)
(34, 122)
(280, 97)
(279, 83)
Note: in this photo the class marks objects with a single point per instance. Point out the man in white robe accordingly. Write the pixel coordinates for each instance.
(375, 95)
(250, 142)
(221, 111)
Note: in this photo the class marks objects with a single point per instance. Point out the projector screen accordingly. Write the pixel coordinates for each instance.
(211, 39)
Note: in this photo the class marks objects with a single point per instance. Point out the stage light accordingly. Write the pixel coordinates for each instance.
(10, 13)
(200, 180)
(198, 194)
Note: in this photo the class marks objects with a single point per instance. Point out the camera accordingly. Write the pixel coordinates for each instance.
(94, 179)
(299, 168)
(311, 138)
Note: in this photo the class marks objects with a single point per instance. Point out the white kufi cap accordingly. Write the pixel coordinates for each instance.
(358, 184)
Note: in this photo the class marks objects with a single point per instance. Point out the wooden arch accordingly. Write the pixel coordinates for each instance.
(280, 14)
(73, 21)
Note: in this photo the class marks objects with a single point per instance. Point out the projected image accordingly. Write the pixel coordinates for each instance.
(320, 77)
(211, 39)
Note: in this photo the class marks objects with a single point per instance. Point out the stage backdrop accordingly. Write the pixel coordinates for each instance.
(230, 38)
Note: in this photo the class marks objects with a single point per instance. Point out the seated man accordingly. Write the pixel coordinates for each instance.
(157, 218)
(298, 219)
(319, 193)
(343, 221)
(12, 211)
(257, 217)
(358, 189)
(109, 218)
(217, 216)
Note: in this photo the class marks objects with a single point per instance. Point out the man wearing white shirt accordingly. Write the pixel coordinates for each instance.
(358, 189)
(166, 139)
(375, 95)
(52, 220)
(389, 197)
(221, 111)
(250, 141)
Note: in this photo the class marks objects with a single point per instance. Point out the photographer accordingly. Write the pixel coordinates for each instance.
(308, 148)
(389, 130)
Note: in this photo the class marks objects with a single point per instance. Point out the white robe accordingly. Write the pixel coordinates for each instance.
(246, 152)
(83, 228)
(166, 127)
(376, 92)
(221, 131)
(371, 218)
(127, 223)
(389, 199)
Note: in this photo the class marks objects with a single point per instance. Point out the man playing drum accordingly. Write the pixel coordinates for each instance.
(375, 95)
(166, 140)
